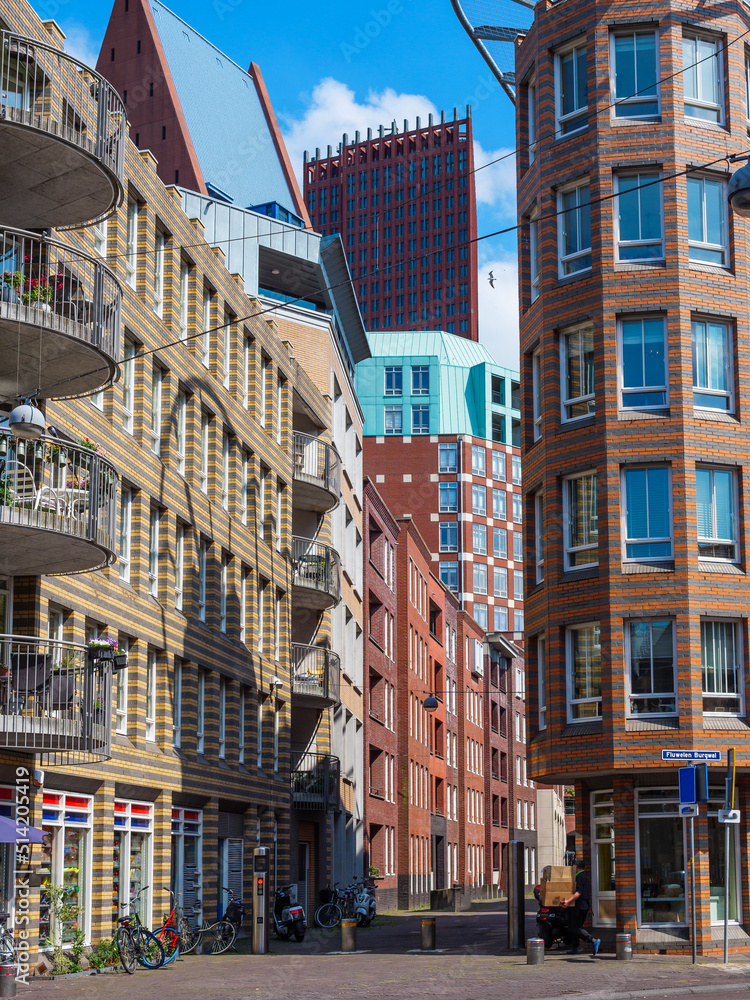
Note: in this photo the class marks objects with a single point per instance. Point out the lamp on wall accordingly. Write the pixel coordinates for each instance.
(738, 190)
(26, 421)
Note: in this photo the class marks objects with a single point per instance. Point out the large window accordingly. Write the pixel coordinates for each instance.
(479, 500)
(480, 578)
(181, 432)
(479, 539)
(448, 497)
(643, 362)
(702, 76)
(574, 224)
(536, 391)
(478, 460)
(128, 385)
(420, 419)
(572, 90)
(65, 861)
(647, 513)
(499, 507)
(721, 659)
(581, 521)
(449, 536)
(500, 543)
(707, 221)
(584, 660)
(712, 365)
(715, 508)
(534, 260)
(420, 380)
(157, 378)
(633, 74)
(650, 650)
(131, 243)
(394, 420)
(541, 673)
(123, 541)
(393, 380)
(661, 857)
(449, 575)
(578, 373)
(717, 861)
(500, 581)
(448, 457)
(638, 216)
(539, 534)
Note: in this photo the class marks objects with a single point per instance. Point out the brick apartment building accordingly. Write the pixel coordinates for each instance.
(404, 205)
(634, 329)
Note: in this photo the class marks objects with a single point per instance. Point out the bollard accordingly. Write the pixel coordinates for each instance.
(7, 979)
(624, 947)
(428, 934)
(535, 951)
(348, 935)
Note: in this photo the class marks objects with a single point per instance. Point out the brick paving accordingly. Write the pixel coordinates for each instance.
(475, 966)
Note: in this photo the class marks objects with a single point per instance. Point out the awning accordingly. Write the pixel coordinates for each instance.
(11, 832)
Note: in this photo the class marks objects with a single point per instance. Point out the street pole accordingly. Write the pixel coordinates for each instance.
(729, 804)
(692, 890)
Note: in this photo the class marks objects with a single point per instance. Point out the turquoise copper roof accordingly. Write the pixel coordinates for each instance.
(224, 116)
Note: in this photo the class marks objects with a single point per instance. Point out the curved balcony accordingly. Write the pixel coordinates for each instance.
(315, 781)
(59, 319)
(316, 579)
(55, 700)
(315, 676)
(58, 507)
(62, 136)
(317, 473)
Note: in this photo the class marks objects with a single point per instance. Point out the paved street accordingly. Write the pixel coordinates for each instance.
(475, 966)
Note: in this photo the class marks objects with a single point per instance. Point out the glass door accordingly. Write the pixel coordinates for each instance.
(603, 858)
(717, 864)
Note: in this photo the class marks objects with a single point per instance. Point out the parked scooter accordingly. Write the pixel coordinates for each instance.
(364, 904)
(288, 917)
(551, 923)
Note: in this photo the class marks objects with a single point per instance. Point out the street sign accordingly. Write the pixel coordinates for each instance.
(687, 785)
(688, 755)
(689, 811)
(729, 815)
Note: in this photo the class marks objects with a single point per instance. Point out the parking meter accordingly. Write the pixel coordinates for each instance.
(260, 900)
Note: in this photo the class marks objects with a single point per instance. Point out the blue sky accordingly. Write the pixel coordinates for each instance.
(356, 65)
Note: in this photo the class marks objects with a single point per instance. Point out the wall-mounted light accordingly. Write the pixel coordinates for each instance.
(26, 421)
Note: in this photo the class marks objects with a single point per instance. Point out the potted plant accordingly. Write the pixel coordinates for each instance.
(102, 648)
(11, 286)
(37, 291)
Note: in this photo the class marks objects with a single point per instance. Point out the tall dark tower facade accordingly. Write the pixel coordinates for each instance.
(405, 206)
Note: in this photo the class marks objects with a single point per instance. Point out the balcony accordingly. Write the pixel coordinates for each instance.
(62, 136)
(315, 781)
(317, 473)
(55, 700)
(59, 319)
(316, 578)
(315, 676)
(58, 507)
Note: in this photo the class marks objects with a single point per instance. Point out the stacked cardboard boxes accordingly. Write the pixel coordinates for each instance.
(558, 883)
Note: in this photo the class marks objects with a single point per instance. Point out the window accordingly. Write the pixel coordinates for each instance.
(159, 274)
(262, 590)
(517, 508)
(703, 78)
(518, 620)
(572, 90)
(121, 693)
(278, 621)
(448, 497)
(721, 658)
(516, 461)
(449, 536)
(449, 575)
(123, 545)
(479, 500)
(394, 420)
(259, 740)
(581, 521)
(518, 584)
(650, 649)
(583, 650)
(478, 460)
(276, 721)
(643, 362)
(244, 574)
(578, 373)
(541, 673)
(480, 615)
(715, 510)
(499, 543)
(707, 221)
(201, 711)
(241, 727)
(574, 230)
(227, 352)
(480, 578)
(179, 566)
(647, 513)
(501, 619)
(498, 465)
(539, 535)
(534, 255)
(100, 237)
(151, 695)
(517, 546)
(128, 385)
(225, 465)
(536, 392)
(531, 118)
(153, 552)
(420, 380)
(202, 557)
(203, 457)
(420, 419)
(204, 342)
(157, 378)
(184, 299)
(638, 216)
(176, 704)
(500, 581)
(712, 366)
(393, 380)
(633, 74)
(447, 458)
(498, 427)
(180, 432)
(131, 243)
(660, 845)
(223, 593)
(245, 486)
(222, 718)
(479, 539)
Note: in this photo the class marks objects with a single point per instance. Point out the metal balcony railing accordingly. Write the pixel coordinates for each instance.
(315, 780)
(317, 464)
(56, 486)
(55, 700)
(44, 89)
(72, 302)
(316, 566)
(315, 672)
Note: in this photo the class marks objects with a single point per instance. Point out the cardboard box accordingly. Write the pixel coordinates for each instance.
(558, 883)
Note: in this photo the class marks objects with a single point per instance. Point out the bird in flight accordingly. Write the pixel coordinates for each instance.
(491, 279)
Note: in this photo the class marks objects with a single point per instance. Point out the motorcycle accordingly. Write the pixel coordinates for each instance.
(551, 923)
(364, 903)
(288, 917)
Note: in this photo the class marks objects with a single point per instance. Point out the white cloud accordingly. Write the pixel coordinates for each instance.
(496, 183)
(79, 42)
(333, 109)
(498, 309)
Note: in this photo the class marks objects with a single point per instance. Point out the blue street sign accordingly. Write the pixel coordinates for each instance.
(688, 755)
(687, 786)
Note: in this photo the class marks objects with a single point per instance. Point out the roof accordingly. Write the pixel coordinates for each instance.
(230, 121)
(446, 347)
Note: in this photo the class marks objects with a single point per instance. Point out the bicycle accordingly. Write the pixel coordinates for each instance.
(218, 937)
(170, 932)
(7, 944)
(328, 914)
(135, 943)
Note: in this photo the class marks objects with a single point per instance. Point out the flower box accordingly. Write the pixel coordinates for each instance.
(121, 661)
(101, 653)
